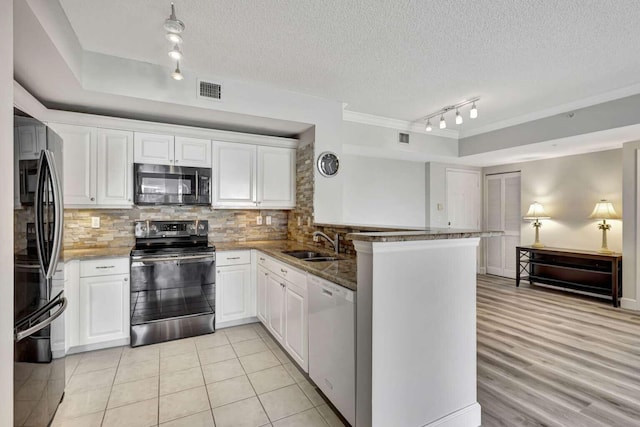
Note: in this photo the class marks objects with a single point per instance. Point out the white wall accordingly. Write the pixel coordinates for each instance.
(6, 213)
(631, 239)
(381, 192)
(569, 187)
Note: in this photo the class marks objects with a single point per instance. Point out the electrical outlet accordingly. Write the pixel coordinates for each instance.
(268, 219)
(259, 220)
(95, 222)
(299, 221)
(309, 221)
(315, 238)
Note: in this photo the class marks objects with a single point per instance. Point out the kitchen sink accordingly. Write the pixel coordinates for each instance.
(305, 254)
(320, 259)
(310, 256)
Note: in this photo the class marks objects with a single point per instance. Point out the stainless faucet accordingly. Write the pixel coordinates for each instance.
(335, 242)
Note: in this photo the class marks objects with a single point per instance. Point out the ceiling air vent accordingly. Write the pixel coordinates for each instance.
(209, 90)
(403, 138)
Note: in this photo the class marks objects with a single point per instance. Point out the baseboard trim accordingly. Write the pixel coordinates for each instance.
(467, 416)
(629, 304)
(98, 346)
(483, 270)
(222, 325)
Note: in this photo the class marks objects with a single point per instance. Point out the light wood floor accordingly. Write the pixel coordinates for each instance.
(547, 358)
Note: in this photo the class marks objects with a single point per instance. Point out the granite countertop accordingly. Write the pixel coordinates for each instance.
(341, 272)
(426, 234)
(90, 253)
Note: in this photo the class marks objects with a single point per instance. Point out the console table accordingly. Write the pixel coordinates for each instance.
(584, 271)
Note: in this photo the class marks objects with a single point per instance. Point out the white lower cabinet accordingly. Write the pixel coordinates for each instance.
(235, 291)
(283, 306)
(98, 292)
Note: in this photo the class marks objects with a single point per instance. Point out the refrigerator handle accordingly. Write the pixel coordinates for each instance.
(48, 260)
(58, 214)
(61, 301)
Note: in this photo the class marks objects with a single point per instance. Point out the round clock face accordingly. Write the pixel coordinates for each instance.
(328, 164)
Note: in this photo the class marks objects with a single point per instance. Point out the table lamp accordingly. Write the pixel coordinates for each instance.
(604, 210)
(536, 213)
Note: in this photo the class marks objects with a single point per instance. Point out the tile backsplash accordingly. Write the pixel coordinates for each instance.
(116, 225)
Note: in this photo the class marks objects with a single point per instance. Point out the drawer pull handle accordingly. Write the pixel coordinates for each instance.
(106, 266)
(282, 284)
(233, 257)
(282, 270)
(261, 259)
(327, 292)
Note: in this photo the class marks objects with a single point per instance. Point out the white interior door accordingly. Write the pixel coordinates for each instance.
(463, 199)
(502, 212)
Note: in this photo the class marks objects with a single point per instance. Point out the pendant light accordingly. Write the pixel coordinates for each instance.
(177, 75)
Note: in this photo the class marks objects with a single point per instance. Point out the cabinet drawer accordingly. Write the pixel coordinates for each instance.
(287, 272)
(104, 267)
(233, 258)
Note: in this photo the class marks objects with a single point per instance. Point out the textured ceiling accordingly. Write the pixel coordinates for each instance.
(399, 59)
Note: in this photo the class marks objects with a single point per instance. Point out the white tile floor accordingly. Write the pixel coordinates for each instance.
(234, 377)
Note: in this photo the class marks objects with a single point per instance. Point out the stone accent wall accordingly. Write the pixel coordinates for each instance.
(303, 233)
(116, 225)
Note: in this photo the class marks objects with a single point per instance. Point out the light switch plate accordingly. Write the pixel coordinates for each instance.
(268, 219)
(95, 222)
(259, 220)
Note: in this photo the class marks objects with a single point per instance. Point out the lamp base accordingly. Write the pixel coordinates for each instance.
(605, 251)
(537, 245)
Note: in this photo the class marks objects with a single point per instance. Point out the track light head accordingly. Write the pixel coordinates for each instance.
(177, 75)
(443, 123)
(458, 117)
(473, 113)
(175, 53)
(428, 128)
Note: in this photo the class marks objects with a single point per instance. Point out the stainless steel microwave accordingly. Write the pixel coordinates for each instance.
(171, 185)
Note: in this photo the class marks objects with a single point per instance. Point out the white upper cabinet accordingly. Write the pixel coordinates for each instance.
(250, 176)
(160, 149)
(234, 168)
(192, 152)
(31, 140)
(98, 166)
(80, 159)
(154, 148)
(115, 167)
(276, 177)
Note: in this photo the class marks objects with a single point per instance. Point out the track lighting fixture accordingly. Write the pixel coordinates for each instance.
(177, 75)
(175, 53)
(174, 28)
(473, 113)
(458, 117)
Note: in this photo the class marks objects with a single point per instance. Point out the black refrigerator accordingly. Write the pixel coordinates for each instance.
(39, 302)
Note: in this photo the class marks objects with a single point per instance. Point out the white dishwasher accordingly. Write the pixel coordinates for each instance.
(332, 343)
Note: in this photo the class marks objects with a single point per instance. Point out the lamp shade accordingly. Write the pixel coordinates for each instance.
(536, 211)
(604, 210)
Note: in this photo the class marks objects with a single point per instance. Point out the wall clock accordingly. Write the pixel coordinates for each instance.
(328, 164)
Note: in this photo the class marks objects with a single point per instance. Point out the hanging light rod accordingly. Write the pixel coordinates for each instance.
(472, 114)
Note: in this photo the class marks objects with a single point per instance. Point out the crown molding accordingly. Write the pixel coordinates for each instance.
(401, 125)
(559, 109)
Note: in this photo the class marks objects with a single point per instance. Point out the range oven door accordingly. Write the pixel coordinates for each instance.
(171, 185)
(167, 289)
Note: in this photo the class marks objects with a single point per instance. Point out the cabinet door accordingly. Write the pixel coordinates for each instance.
(276, 177)
(234, 171)
(296, 332)
(193, 152)
(104, 308)
(80, 158)
(275, 302)
(153, 148)
(263, 276)
(233, 296)
(115, 167)
(31, 139)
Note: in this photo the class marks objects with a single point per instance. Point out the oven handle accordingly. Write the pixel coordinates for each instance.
(177, 258)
